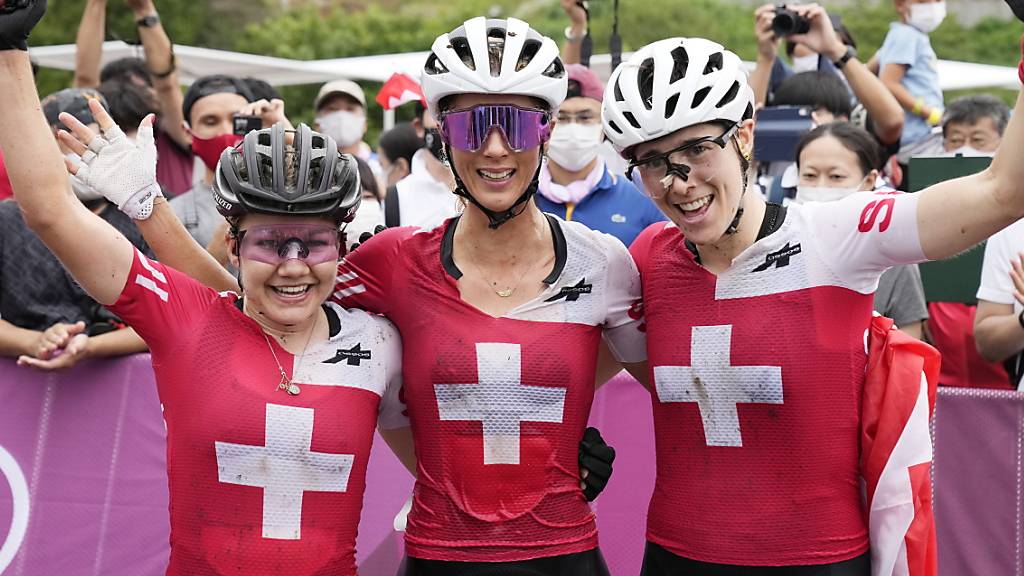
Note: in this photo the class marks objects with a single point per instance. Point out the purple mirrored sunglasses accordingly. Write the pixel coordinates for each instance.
(523, 128)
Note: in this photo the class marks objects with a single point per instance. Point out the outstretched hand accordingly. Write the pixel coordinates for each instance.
(17, 19)
(123, 171)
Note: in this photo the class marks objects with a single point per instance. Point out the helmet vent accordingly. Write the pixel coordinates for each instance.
(680, 62)
(670, 105)
(730, 95)
(613, 126)
(645, 82)
(555, 70)
(699, 96)
(618, 92)
(464, 52)
(434, 65)
(530, 49)
(714, 63)
(631, 119)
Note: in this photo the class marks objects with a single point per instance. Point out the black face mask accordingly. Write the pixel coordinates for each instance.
(432, 141)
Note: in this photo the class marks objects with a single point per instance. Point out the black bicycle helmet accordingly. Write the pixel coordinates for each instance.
(251, 177)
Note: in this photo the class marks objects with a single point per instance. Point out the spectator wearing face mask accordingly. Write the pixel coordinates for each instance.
(424, 197)
(907, 65)
(973, 125)
(46, 319)
(210, 105)
(575, 183)
(341, 114)
(839, 159)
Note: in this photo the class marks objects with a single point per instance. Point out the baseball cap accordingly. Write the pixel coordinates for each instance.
(74, 101)
(210, 85)
(346, 87)
(583, 82)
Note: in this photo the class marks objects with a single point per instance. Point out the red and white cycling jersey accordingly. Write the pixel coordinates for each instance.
(261, 482)
(498, 405)
(757, 377)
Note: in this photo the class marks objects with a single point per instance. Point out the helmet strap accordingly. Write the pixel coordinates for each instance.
(734, 226)
(496, 218)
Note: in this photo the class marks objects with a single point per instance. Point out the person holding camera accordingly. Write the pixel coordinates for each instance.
(219, 110)
(809, 26)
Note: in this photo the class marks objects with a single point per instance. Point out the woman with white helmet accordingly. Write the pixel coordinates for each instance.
(502, 312)
(756, 317)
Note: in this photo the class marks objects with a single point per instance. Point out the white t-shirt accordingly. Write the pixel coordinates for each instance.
(423, 201)
(996, 285)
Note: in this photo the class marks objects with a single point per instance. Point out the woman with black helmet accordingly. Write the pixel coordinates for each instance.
(756, 316)
(270, 396)
(502, 312)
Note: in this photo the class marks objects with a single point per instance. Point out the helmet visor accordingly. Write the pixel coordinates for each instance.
(277, 243)
(522, 128)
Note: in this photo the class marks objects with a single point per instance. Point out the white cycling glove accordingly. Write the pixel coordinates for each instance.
(123, 171)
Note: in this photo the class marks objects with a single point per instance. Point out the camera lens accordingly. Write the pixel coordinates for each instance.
(788, 23)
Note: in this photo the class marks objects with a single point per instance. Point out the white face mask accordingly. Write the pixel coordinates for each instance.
(368, 217)
(805, 63)
(927, 17)
(345, 127)
(82, 191)
(968, 152)
(574, 146)
(822, 194)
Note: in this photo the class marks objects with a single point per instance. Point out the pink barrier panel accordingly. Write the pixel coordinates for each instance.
(978, 437)
(83, 482)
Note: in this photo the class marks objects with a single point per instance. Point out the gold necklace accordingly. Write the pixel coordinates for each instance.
(509, 290)
(286, 383)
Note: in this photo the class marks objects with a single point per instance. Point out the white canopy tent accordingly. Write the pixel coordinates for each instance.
(195, 62)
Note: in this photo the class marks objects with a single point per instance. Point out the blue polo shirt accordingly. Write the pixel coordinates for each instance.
(615, 206)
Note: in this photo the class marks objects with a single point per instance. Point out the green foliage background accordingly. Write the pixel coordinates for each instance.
(355, 28)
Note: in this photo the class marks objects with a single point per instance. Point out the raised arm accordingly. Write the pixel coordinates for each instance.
(40, 179)
(577, 29)
(163, 69)
(881, 105)
(175, 247)
(957, 214)
(89, 44)
(767, 47)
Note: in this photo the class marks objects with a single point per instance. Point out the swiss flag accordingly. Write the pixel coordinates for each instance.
(398, 90)
(899, 398)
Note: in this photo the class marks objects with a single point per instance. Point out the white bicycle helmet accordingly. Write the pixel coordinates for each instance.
(673, 84)
(460, 63)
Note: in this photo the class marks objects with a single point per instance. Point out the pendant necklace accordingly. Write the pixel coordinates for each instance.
(286, 383)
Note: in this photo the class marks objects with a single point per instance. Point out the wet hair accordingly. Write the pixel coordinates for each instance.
(852, 137)
(128, 103)
(972, 109)
(261, 89)
(400, 142)
(815, 89)
(367, 179)
(126, 70)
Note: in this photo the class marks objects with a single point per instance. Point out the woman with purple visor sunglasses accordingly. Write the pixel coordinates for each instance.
(509, 318)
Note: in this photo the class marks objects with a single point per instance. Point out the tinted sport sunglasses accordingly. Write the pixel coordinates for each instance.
(523, 128)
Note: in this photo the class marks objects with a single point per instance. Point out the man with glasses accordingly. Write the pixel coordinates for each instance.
(575, 183)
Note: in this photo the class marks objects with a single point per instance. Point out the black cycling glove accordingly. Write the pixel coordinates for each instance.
(596, 457)
(1018, 8)
(17, 19)
(366, 236)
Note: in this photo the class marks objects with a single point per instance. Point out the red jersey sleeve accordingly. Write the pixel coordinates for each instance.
(364, 276)
(641, 246)
(160, 303)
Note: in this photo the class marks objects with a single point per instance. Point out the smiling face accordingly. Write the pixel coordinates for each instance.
(704, 205)
(285, 294)
(495, 174)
